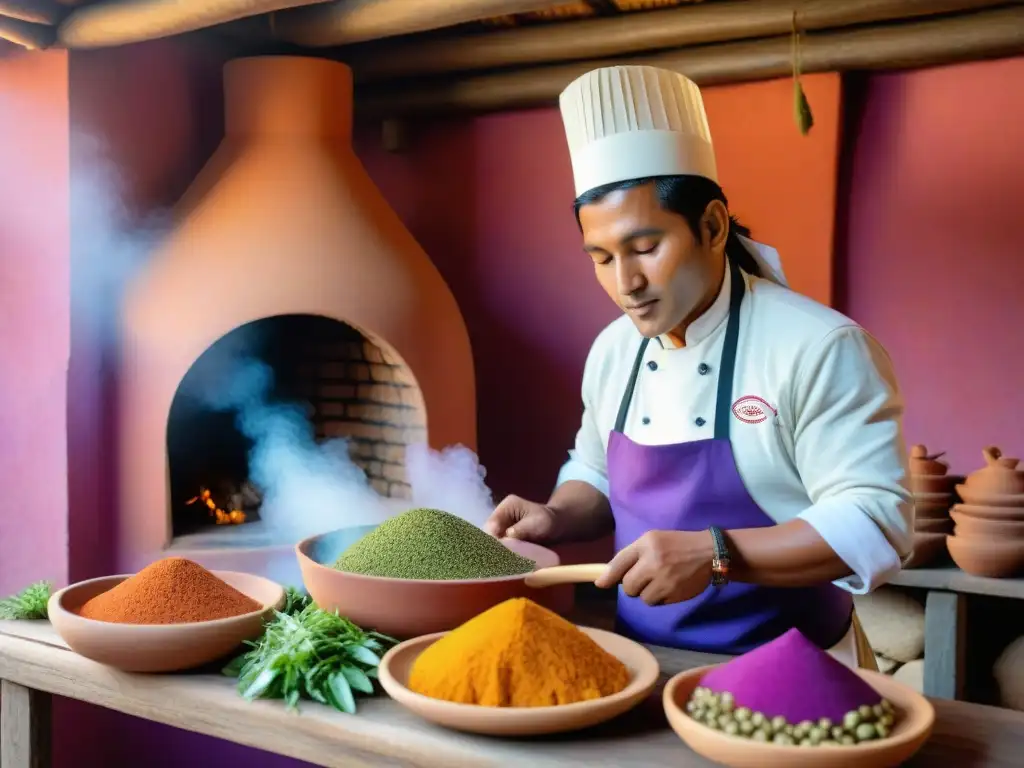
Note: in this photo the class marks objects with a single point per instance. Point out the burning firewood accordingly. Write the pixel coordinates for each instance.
(220, 516)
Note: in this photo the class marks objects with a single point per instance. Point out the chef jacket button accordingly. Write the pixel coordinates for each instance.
(703, 369)
(645, 420)
(700, 422)
(652, 365)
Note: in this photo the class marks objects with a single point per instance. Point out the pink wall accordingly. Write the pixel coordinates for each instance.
(34, 318)
(934, 255)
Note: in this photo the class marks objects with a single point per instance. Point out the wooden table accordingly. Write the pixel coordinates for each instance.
(35, 663)
(945, 626)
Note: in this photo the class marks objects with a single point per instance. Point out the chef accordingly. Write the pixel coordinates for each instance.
(742, 441)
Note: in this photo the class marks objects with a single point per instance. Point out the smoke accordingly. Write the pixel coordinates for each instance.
(310, 487)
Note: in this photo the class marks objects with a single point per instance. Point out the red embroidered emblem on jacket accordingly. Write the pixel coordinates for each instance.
(752, 409)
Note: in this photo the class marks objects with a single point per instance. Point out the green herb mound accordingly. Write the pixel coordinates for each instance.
(431, 544)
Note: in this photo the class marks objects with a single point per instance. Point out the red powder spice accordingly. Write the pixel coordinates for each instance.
(170, 591)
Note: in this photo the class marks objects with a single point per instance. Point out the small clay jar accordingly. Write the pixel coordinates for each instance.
(923, 464)
(999, 477)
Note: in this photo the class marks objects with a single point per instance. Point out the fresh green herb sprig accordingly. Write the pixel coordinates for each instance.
(295, 601)
(310, 654)
(29, 604)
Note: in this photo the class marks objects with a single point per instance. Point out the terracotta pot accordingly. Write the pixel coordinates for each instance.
(928, 547)
(932, 510)
(937, 484)
(994, 558)
(1000, 476)
(970, 526)
(984, 512)
(921, 463)
(941, 525)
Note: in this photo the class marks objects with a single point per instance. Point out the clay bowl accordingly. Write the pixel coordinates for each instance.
(938, 484)
(970, 526)
(160, 647)
(984, 512)
(941, 525)
(394, 669)
(986, 499)
(404, 608)
(984, 556)
(917, 716)
(928, 510)
(928, 547)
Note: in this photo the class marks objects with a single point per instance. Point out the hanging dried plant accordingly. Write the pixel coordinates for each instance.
(801, 107)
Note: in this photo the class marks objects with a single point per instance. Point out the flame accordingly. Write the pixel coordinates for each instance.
(220, 517)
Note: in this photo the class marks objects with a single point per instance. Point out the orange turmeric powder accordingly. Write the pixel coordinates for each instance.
(517, 654)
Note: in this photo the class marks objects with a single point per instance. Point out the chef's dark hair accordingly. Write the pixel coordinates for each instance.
(689, 197)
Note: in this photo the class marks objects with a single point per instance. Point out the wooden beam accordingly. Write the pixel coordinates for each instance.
(26, 34)
(25, 724)
(980, 35)
(354, 21)
(628, 34)
(36, 11)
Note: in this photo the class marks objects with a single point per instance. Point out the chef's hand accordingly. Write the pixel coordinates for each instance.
(518, 518)
(662, 566)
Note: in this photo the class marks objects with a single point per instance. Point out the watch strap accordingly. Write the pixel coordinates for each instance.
(719, 558)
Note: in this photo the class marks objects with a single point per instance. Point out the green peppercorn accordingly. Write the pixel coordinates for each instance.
(732, 728)
(887, 706)
(865, 732)
(882, 730)
(817, 735)
(877, 712)
(851, 720)
(778, 723)
(758, 719)
(865, 712)
(761, 735)
(825, 724)
(727, 702)
(837, 732)
(742, 714)
(746, 727)
(783, 740)
(847, 740)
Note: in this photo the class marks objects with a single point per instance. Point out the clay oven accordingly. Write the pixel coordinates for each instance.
(282, 249)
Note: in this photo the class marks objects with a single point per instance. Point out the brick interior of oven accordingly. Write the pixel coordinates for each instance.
(349, 387)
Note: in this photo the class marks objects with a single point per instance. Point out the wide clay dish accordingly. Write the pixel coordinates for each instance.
(969, 525)
(522, 721)
(404, 608)
(984, 512)
(928, 547)
(917, 716)
(985, 556)
(986, 499)
(160, 647)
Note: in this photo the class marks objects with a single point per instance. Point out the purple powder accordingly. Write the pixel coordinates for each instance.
(792, 677)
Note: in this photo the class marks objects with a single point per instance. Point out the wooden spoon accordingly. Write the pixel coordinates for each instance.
(565, 574)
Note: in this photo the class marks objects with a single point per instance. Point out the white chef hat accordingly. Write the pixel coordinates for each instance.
(632, 122)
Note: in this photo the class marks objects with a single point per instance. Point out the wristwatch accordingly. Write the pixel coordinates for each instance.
(719, 558)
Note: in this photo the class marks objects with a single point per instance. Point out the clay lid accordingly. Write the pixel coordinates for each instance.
(921, 463)
(792, 677)
(1000, 475)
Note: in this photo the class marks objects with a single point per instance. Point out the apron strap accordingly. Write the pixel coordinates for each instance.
(728, 365)
(723, 404)
(620, 420)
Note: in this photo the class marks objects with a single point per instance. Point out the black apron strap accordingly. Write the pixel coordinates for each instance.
(627, 397)
(727, 367)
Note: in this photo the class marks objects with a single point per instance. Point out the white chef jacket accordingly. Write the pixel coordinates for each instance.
(830, 450)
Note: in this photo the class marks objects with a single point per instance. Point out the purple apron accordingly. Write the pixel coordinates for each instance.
(689, 487)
